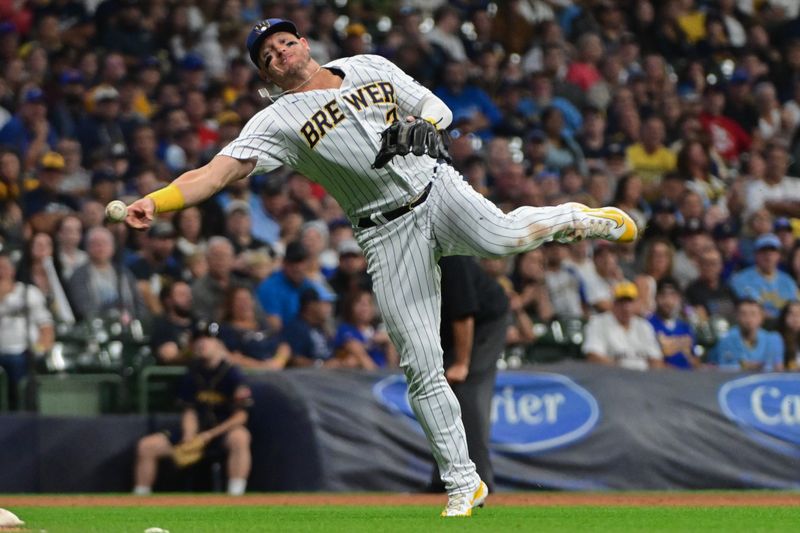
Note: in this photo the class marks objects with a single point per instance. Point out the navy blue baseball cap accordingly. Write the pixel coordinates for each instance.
(264, 29)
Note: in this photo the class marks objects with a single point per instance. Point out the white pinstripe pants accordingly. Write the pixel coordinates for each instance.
(402, 257)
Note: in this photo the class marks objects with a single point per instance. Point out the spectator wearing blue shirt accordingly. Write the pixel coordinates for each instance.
(763, 282)
(266, 209)
(308, 335)
(28, 132)
(542, 98)
(673, 334)
(473, 109)
(747, 346)
(279, 294)
(359, 339)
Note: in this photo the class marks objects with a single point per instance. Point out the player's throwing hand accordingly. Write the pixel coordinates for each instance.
(141, 213)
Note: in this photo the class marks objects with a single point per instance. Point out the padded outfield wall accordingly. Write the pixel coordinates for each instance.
(570, 426)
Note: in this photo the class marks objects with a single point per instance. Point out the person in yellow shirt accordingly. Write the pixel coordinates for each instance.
(650, 158)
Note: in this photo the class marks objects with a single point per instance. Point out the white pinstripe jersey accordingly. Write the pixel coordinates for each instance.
(333, 135)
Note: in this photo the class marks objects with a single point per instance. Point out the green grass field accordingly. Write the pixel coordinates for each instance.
(242, 519)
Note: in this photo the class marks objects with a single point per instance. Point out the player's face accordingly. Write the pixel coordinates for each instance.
(283, 55)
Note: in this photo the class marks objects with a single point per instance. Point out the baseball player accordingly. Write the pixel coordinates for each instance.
(371, 136)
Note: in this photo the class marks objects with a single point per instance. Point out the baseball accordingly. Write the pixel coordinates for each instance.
(116, 211)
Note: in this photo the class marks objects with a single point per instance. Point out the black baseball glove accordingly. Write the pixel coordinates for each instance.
(418, 136)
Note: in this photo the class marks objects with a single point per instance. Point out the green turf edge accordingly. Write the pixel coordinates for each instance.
(408, 519)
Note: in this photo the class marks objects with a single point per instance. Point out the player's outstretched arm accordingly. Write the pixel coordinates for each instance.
(188, 189)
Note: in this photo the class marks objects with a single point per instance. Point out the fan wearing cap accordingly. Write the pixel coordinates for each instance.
(215, 399)
(103, 127)
(308, 334)
(46, 204)
(238, 229)
(155, 265)
(279, 294)
(621, 338)
(674, 334)
(28, 131)
(763, 282)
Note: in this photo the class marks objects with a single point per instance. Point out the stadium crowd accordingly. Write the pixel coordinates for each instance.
(684, 113)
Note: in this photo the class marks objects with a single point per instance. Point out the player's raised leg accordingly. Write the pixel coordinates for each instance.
(467, 223)
(405, 276)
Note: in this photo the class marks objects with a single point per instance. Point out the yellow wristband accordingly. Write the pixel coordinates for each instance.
(170, 198)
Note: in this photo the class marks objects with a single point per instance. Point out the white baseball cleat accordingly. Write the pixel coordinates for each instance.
(463, 504)
(610, 223)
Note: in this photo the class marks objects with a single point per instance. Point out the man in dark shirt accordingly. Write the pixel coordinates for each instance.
(708, 294)
(307, 335)
(474, 320)
(156, 265)
(215, 398)
(172, 331)
(44, 206)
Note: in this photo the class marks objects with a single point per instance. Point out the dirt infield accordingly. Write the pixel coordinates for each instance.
(657, 499)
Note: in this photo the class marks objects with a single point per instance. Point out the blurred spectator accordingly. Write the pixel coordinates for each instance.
(789, 328)
(210, 290)
(314, 236)
(247, 335)
(473, 110)
(360, 337)
(548, 270)
(77, 179)
(26, 326)
(747, 346)
(763, 282)
(351, 274)
(309, 335)
(68, 237)
(101, 285)
(782, 227)
(445, 33)
(279, 294)
(629, 197)
(238, 229)
(189, 228)
(69, 111)
(171, 337)
(673, 333)
(215, 398)
(583, 72)
(28, 132)
(694, 165)
(621, 338)
(103, 127)
(40, 268)
(777, 192)
(562, 150)
(45, 205)
(726, 238)
(694, 241)
(269, 210)
(663, 223)
(656, 266)
(708, 294)
(598, 282)
(649, 157)
(727, 135)
(156, 265)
